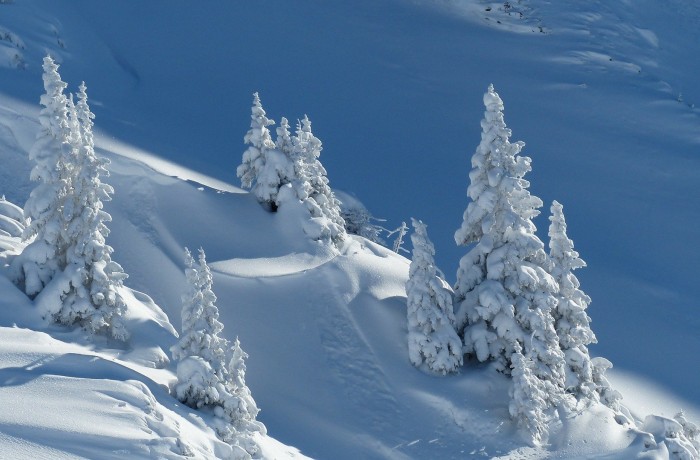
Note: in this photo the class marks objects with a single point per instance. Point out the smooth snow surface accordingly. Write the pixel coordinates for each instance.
(604, 94)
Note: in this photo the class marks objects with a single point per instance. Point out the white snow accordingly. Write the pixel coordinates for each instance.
(604, 94)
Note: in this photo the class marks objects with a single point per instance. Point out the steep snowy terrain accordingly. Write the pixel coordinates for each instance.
(602, 93)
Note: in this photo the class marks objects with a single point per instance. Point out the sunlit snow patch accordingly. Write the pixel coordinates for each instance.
(161, 165)
(271, 266)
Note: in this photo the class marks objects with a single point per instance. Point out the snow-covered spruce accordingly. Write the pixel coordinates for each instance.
(264, 168)
(283, 141)
(67, 265)
(45, 255)
(240, 408)
(504, 291)
(313, 189)
(432, 339)
(90, 282)
(204, 380)
(200, 327)
(571, 321)
(528, 399)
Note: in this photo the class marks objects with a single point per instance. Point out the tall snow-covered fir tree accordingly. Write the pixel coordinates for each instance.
(67, 265)
(432, 339)
(264, 168)
(571, 321)
(314, 191)
(45, 255)
(89, 288)
(204, 380)
(504, 292)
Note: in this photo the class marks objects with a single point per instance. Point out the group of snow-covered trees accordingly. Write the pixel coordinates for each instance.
(514, 304)
(66, 265)
(288, 170)
(210, 371)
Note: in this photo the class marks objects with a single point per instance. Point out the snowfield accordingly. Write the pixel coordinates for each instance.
(603, 94)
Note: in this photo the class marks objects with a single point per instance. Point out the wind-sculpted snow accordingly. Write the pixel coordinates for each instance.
(45, 380)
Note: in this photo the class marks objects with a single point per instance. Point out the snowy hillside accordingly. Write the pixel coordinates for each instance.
(603, 95)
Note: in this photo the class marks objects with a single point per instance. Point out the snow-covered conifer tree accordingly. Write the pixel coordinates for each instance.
(313, 188)
(90, 295)
(68, 251)
(264, 168)
(571, 321)
(200, 348)
(258, 140)
(283, 142)
(528, 398)
(504, 291)
(432, 339)
(203, 378)
(239, 407)
(46, 253)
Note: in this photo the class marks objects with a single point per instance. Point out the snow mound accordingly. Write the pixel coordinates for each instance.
(119, 414)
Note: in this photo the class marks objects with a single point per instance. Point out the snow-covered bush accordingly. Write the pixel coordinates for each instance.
(204, 379)
(358, 220)
(673, 434)
(690, 430)
(571, 321)
(432, 339)
(607, 395)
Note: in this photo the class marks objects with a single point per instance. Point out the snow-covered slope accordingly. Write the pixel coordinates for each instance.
(394, 91)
